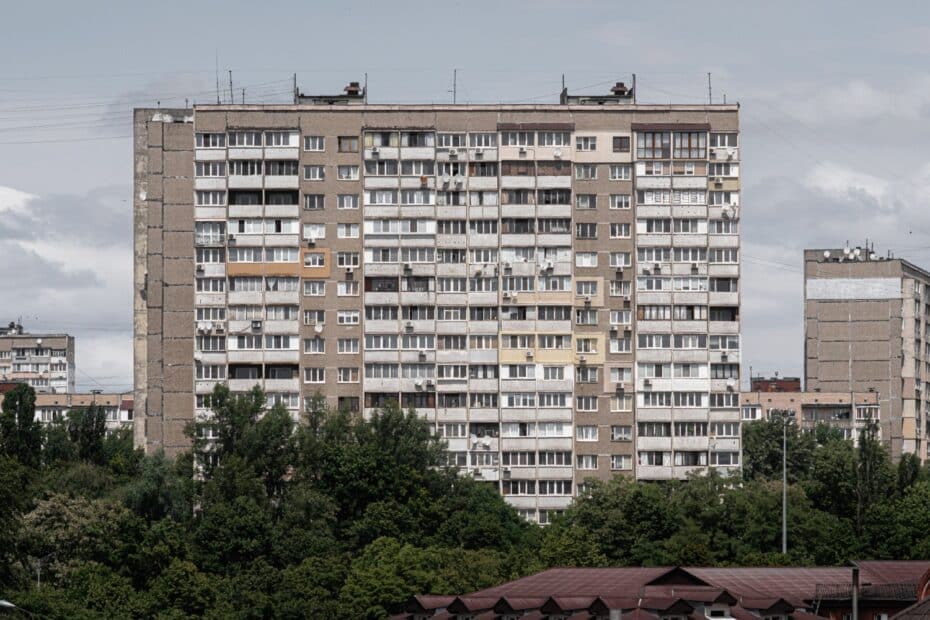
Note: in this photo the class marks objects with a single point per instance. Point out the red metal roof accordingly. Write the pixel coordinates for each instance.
(557, 582)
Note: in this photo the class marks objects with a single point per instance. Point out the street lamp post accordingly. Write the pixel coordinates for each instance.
(786, 416)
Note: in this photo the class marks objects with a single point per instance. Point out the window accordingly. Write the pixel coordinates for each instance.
(586, 143)
(210, 199)
(621, 462)
(210, 169)
(621, 144)
(586, 461)
(620, 172)
(347, 231)
(347, 288)
(585, 172)
(517, 138)
(314, 375)
(347, 173)
(453, 140)
(619, 231)
(586, 259)
(724, 429)
(245, 138)
(724, 459)
(585, 433)
(586, 201)
(553, 138)
(349, 201)
(482, 140)
(314, 143)
(348, 144)
(210, 140)
(653, 145)
(347, 375)
(315, 231)
(621, 433)
(281, 138)
(690, 144)
(314, 173)
(723, 140)
(586, 403)
(347, 317)
(279, 168)
(619, 201)
(245, 167)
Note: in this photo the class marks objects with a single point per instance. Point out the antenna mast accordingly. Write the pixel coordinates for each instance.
(217, 59)
(232, 97)
(710, 93)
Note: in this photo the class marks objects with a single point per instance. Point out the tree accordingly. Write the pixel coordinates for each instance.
(87, 427)
(762, 450)
(873, 472)
(20, 432)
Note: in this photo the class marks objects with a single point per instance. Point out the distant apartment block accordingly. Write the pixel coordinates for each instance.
(849, 412)
(44, 361)
(866, 323)
(554, 287)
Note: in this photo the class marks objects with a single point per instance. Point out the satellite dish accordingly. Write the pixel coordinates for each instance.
(318, 329)
(557, 153)
(826, 254)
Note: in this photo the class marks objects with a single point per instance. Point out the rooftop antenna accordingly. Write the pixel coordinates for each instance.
(217, 59)
(232, 98)
(243, 96)
(710, 92)
(295, 88)
(634, 88)
(454, 91)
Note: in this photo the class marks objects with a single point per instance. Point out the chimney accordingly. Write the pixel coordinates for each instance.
(619, 89)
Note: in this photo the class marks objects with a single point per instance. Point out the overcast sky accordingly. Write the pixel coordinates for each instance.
(835, 103)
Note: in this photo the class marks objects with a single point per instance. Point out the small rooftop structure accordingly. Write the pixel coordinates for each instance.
(354, 93)
(619, 94)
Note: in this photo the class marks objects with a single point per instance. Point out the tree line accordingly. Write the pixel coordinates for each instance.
(342, 517)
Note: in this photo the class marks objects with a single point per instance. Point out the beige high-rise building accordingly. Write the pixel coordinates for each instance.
(866, 328)
(44, 361)
(553, 286)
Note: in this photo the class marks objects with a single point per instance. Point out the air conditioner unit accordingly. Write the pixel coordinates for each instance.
(549, 265)
(375, 150)
(507, 266)
(256, 326)
(453, 152)
(731, 384)
(647, 269)
(479, 153)
(522, 150)
(418, 384)
(429, 383)
(557, 153)
(626, 298)
(725, 212)
(311, 242)
(647, 381)
(694, 266)
(459, 179)
(199, 268)
(583, 359)
(620, 270)
(529, 353)
(350, 270)
(407, 267)
(587, 299)
(724, 355)
(506, 295)
(627, 328)
(409, 324)
(614, 328)
(477, 272)
(422, 353)
(231, 239)
(657, 267)
(219, 329)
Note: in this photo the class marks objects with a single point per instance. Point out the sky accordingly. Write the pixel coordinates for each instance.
(834, 96)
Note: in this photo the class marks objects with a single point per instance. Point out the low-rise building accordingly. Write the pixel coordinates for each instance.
(677, 593)
(52, 407)
(848, 411)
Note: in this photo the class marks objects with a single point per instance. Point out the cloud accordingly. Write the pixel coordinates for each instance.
(67, 267)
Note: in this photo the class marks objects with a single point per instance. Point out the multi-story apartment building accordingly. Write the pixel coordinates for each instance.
(847, 411)
(44, 361)
(867, 327)
(554, 287)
